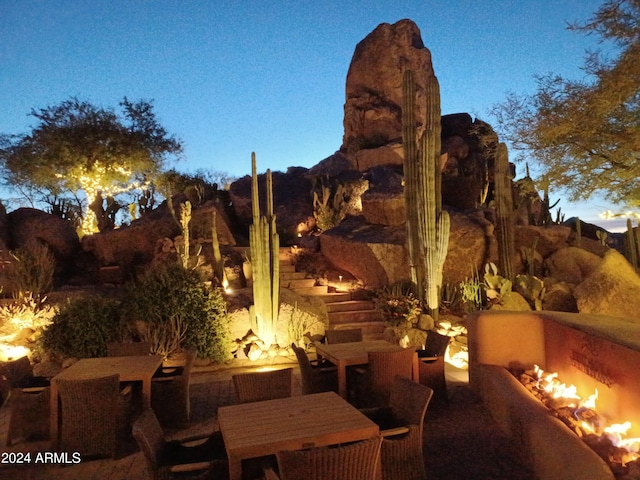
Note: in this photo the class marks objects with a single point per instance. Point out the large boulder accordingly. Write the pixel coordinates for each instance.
(26, 225)
(293, 202)
(374, 254)
(138, 243)
(571, 265)
(377, 254)
(373, 108)
(613, 288)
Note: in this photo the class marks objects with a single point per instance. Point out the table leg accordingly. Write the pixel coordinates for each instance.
(54, 416)
(416, 368)
(342, 380)
(235, 468)
(146, 393)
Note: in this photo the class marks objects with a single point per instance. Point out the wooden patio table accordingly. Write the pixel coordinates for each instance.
(256, 429)
(357, 353)
(133, 368)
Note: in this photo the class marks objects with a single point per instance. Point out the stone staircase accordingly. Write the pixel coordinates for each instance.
(344, 312)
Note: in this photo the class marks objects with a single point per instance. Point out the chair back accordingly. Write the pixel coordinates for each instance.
(91, 416)
(436, 345)
(306, 371)
(258, 386)
(409, 401)
(18, 372)
(126, 349)
(150, 438)
(346, 335)
(356, 461)
(384, 367)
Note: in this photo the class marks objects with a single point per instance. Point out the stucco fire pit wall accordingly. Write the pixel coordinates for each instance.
(588, 351)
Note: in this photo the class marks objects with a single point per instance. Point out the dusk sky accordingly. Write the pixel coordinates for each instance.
(231, 77)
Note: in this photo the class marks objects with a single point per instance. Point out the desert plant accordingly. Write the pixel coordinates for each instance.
(31, 271)
(82, 327)
(471, 291)
(428, 225)
(330, 208)
(497, 288)
(299, 324)
(165, 338)
(265, 257)
(398, 304)
(26, 313)
(531, 288)
(168, 291)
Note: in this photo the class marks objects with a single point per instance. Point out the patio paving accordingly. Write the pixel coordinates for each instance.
(460, 439)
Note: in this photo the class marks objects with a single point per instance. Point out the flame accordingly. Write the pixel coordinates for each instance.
(549, 383)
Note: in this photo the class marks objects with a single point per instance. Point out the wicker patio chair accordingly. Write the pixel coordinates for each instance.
(28, 400)
(355, 461)
(401, 426)
(315, 378)
(346, 335)
(95, 414)
(258, 386)
(375, 382)
(126, 349)
(170, 395)
(178, 458)
(431, 365)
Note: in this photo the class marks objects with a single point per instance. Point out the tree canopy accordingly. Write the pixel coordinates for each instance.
(584, 134)
(77, 146)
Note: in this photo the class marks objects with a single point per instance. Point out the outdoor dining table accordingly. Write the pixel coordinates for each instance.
(256, 429)
(133, 368)
(343, 355)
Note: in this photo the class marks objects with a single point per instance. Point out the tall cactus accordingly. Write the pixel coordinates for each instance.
(410, 147)
(264, 244)
(504, 212)
(217, 256)
(427, 224)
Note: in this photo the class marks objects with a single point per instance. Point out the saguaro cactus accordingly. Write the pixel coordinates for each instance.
(264, 244)
(427, 224)
(217, 256)
(504, 212)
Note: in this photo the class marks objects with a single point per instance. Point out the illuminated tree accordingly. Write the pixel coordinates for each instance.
(77, 147)
(585, 135)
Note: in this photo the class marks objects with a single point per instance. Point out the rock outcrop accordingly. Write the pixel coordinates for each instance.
(612, 288)
(373, 108)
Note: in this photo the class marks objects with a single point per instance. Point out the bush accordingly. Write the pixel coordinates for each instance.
(169, 293)
(31, 271)
(83, 327)
(398, 304)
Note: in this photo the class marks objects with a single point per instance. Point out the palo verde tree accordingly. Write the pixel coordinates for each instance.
(79, 148)
(585, 134)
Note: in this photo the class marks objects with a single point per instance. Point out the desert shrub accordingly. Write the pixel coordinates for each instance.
(83, 326)
(31, 271)
(170, 293)
(398, 304)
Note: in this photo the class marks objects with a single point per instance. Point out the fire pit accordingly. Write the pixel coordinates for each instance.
(609, 441)
(589, 351)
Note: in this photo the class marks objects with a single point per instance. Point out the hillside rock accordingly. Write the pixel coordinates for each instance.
(571, 264)
(377, 255)
(26, 225)
(293, 202)
(373, 108)
(613, 288)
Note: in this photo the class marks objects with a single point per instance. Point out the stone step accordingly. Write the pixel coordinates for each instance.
(292, 275)
(285, 254)
(334, 297)
(297, 284)
(350, 305)
(370, 330)
(287, 268)
(354, 316)
(319, 290)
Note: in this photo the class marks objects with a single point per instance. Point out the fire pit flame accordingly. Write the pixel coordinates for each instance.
(581, 416)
